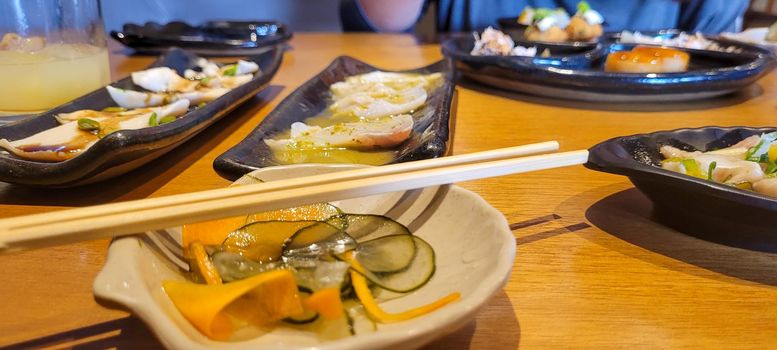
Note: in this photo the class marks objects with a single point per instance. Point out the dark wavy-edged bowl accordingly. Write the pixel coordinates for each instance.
(511, 26)
(710, 73)
(125, 150)
(698, 207)
(431, 131)
(214, 38)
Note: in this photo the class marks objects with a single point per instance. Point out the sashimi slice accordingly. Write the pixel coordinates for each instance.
(366, 134)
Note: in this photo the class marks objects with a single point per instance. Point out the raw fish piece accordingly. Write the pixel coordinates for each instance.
(766, 186)
(162, 111)
(366, 134)
(246, 67)
(379, 102)
(67, 140)
(383, 80)
(163, 79)
(135, 99)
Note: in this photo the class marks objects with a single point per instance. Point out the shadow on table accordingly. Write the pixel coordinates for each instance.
(498, 329)
(124, 333)
(143, 181)
(628, 215)
(731, 99)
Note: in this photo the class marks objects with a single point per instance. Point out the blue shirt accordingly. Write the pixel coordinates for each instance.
(707, 16)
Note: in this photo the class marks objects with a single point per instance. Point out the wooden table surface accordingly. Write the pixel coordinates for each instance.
(592, 269)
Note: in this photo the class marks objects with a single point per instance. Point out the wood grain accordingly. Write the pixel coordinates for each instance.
(618, 281)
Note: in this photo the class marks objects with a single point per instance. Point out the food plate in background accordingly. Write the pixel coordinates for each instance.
(124, 150)
(475, 251)
(429, 139)
(755, 36)
(695, 206)
(214, 38)
(510, 26)
(711, 73)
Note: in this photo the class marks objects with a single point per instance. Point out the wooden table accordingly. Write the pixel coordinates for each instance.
(592, 270)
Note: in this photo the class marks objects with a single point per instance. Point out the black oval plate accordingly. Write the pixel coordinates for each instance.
(214, 38)
(702, 208)
(125, 150)
(429, 139)
(710, 73)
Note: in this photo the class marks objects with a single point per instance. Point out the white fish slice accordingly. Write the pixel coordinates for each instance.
(374, 104)
(67, 140)
(135, 99)
(365, 134)
(163, 79)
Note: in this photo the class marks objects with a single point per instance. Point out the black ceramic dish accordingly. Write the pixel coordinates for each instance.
(125, 150)
(430, 137)
(511, 26)
(214, 38)
(698, 207)
(710, 73)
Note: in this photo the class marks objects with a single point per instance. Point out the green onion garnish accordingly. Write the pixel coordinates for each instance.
(87, 124)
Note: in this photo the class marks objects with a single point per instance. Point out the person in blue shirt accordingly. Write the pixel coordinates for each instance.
(706, 16)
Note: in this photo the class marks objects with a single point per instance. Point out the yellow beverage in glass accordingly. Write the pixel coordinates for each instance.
(57, 73)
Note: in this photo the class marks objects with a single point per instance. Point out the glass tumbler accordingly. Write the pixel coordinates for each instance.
(51, 51)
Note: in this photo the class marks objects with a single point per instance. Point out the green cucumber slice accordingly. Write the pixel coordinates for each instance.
(233, 267)
(364, 227)
(387, 254)
(262, 241)
(414, 276)
(308, 245)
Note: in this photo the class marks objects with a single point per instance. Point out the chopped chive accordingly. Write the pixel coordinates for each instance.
(230, 71)
(166, 119)
(152, 120)
(583, 6)
(205, 81)
(87, 124)
(712, 167)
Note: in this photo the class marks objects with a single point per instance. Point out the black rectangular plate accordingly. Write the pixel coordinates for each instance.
(125, 150)
(431, 132)
(214, 38)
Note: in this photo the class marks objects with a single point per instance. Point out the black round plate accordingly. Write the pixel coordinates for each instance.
(698, 207)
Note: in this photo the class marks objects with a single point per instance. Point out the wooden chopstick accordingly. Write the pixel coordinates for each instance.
(110, 220)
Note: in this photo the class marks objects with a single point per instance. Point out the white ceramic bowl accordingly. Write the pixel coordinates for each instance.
(474, 249)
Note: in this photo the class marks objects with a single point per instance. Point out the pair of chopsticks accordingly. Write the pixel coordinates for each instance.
(117, 219)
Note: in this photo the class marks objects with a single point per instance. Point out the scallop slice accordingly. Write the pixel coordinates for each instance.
(170, 109)
(135, 99)
(68, 140)
(366, 134)
(378, 79)
(163, 79)
(379, 103)
(246, 67)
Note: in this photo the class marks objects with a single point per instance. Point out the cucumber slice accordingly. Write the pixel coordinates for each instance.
(364, 227)
(233, 267)
(308, 245)
(387, 254)
(414, 276)
(325, 274)
(262, 241)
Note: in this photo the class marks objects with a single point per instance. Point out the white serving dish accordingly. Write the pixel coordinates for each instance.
(474, 246)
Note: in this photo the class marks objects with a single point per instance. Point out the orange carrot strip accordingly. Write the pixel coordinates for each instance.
(204, 264)
(365, 296)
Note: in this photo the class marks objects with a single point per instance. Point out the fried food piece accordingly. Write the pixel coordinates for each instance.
(580, 30)
(553, 34)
